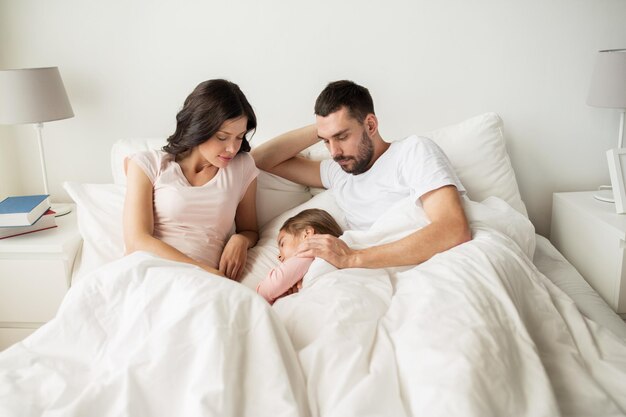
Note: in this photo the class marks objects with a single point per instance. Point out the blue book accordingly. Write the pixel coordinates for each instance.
(23, 210)
(45, 222)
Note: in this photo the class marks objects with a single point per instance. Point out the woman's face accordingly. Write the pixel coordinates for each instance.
(222, 147)
(288, 243)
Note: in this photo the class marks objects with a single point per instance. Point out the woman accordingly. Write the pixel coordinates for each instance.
(181, 201)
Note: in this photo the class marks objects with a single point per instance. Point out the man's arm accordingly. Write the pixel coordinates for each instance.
(279, 156)
(448, 228)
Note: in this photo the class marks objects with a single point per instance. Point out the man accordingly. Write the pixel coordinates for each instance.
(367, 176)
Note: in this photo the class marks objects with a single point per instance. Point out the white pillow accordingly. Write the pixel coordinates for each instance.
(477, 150)
(99, 209)
(275, 195)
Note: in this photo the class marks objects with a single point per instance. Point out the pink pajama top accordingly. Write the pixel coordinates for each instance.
(196, 220)
(283, 277)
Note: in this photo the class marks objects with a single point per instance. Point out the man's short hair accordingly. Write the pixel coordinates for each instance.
(344, 93)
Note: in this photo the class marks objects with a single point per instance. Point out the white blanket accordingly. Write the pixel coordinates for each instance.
(475, 331)
(148, 337)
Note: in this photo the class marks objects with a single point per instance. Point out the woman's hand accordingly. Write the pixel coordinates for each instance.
(211, 270)
(234, 257)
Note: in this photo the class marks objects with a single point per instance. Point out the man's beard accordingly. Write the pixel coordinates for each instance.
(363, 158)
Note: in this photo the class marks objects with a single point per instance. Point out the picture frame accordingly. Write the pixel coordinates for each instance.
(617, 170)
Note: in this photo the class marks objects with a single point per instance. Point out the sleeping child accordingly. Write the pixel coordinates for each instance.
(292, 268)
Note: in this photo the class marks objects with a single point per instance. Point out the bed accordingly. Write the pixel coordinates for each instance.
(501, 325)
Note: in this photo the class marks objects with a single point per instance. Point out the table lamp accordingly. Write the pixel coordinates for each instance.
(608, 89)
(34, 95)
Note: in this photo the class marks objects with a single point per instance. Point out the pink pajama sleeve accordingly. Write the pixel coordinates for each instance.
(283, 277)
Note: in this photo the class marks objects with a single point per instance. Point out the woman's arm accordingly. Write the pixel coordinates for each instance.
(139, 220)
(234, 255)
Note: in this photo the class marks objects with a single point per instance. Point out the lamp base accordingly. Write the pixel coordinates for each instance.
(604, 195)
(61, 209)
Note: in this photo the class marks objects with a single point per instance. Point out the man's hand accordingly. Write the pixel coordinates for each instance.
(333, 250)
(234, 257)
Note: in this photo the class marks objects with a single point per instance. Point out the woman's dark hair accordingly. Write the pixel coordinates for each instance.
(344, 93)
(210, 104)
(322, 222)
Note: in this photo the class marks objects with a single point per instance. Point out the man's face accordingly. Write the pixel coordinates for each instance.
(347, 140)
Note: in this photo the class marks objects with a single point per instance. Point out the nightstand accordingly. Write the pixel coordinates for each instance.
(592, 237)
(35, 274)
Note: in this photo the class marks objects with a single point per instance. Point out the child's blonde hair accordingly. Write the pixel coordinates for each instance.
(319, 220)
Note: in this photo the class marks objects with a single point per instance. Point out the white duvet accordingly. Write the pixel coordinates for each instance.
(475, 331)
(147, 337)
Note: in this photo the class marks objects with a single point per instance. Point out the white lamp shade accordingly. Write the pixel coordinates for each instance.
(608, 83)
(33, 95)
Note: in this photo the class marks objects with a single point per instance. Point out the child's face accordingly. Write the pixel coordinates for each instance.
(288, 243)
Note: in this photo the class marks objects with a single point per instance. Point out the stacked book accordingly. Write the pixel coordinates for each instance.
(25, 214)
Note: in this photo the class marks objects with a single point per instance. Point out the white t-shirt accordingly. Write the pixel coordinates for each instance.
(408, 168)
(196, 220)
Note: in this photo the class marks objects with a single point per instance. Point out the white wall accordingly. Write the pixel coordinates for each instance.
(128, 65)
